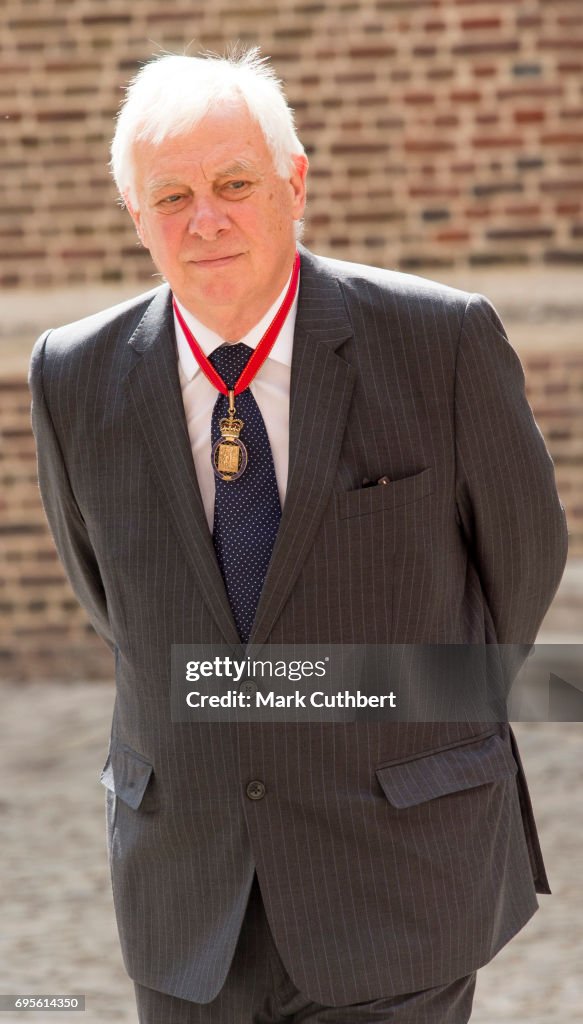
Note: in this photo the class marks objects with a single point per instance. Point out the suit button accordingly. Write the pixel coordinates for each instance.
(255, 790)
(249, 688)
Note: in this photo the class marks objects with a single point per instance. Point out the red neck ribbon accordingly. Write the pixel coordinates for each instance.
(260, 353)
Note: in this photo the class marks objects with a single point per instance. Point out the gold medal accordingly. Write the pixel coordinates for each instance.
(229, 454)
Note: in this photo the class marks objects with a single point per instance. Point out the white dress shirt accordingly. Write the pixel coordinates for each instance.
(270, 388)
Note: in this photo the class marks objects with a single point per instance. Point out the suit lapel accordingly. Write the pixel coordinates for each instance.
(154, 386)
(321, 389)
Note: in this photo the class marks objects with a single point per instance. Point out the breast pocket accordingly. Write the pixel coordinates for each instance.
(382, 497)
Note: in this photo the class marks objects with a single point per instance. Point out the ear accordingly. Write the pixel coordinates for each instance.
(136, 217)
(298, 184)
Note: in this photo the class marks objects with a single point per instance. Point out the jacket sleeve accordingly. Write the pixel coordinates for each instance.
(506, 497)
(64, 517)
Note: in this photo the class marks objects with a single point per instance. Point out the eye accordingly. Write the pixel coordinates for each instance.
(172, 203)
(236, 188)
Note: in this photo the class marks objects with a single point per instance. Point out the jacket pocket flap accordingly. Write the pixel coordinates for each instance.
(126, 774)
(413, 782)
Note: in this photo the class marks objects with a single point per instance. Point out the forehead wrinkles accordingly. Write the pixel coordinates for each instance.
(218, 145)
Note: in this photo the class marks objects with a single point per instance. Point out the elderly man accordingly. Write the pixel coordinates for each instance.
(277, 447)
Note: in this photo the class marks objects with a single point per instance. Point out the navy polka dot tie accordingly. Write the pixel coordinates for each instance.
(247, 510)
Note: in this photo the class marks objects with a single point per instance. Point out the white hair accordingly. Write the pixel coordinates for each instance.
(171, 94)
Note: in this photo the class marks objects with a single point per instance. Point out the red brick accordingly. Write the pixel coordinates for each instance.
(465, 95)
(562, 139)
(519, 91)
(61, 115)
(567, 43)
(428, 192)
(428, 146)
(106, 19)
(522, 210)
(64, 66)
(466, 167)
(567, 209)
(493, 46)
(23, 254)
(369, 217)
(350, 77)
(572, 160)
(529, 116)
(372, 52)
(371, 101)
(440, 73)
(570, 67)
(82, 254)
(496, 142)
(470, 24)
(174, 15)
(528, 21)
(517, 234)
(478, 212)
(37, 24)
(358, 147)
(452, 236)
(419, 97)
(570, 19)
(14, 69)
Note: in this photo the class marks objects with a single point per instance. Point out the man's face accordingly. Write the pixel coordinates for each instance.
(217, 218)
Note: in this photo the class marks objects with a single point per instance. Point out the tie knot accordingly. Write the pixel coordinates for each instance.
(230, 360)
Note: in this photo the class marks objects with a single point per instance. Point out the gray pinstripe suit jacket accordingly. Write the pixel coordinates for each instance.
(391, 858)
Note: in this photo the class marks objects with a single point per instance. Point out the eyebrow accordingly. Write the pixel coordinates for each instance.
(237, 167)
(159, 183)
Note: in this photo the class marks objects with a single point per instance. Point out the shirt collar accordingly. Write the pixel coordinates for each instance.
(209, 340)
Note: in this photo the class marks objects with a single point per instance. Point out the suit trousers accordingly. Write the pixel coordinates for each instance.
(258, 990)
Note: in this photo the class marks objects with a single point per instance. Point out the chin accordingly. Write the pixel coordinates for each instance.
(217, 296)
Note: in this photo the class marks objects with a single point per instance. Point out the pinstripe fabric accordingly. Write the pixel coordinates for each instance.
(390, 858)
(258, 990)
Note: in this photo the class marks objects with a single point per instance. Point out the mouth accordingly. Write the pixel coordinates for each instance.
(215, 262)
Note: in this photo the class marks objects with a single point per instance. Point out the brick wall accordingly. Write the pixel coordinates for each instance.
(44, 632)
(439, 131)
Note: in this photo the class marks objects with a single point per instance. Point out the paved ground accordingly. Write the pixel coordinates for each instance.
(57, 925)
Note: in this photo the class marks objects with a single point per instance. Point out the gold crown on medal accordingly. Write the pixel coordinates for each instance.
(230, 428)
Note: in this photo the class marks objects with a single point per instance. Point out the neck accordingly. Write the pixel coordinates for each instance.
(231, 326)
(233, 322)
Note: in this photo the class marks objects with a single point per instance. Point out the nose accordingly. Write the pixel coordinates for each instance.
(208, 220)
